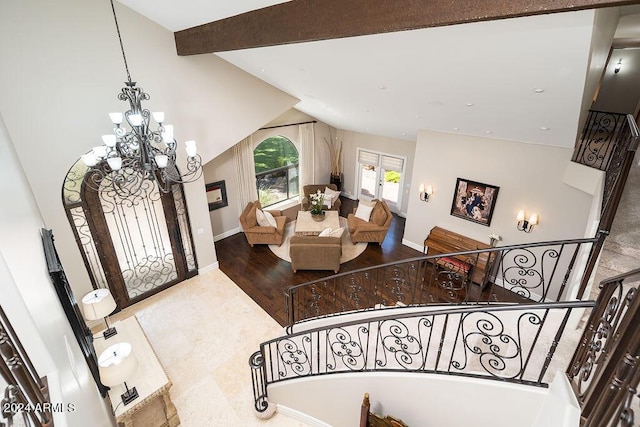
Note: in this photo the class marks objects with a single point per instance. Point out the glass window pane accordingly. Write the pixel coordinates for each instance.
(368, 181)
(276, 167)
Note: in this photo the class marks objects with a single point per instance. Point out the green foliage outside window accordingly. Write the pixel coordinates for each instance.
(392, 176)
(273, 153)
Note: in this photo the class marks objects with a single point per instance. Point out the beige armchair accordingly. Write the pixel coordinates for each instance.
(315, 253)
(308, 190)
(373, 230)
(260, 235)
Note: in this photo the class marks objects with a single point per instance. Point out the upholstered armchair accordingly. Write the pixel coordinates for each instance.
(315, 253)
(373, 229)
(257, 234)
(308, 190)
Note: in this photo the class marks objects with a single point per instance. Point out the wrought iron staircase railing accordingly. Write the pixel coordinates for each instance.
(604, 370)
(599, 138)
(618, 136)
(509, 343)
(526, 273)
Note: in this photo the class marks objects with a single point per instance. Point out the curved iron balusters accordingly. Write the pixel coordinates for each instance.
(521, 273)
(490, 342)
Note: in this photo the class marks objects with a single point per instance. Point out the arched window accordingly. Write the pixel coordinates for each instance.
(276, 160)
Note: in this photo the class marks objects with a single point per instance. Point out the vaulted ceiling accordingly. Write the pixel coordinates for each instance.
(518, 79)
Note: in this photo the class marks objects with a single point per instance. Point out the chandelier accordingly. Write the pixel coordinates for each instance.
(138, 154)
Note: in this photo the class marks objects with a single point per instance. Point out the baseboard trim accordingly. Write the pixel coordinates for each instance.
(226, 234)
(413, 245)
(208, 268)
(301, 416)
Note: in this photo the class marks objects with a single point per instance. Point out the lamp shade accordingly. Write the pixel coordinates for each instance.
(97, 304)
(117, 364)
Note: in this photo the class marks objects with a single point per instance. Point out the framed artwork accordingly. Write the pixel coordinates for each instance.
(474, 201)
(217, 195)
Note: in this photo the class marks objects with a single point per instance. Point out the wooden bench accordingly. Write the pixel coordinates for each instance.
(475, 266)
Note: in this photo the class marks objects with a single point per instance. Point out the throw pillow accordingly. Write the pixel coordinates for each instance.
(265, 219)
(326, 200)
(329, 232)
(338, 232)
(363, 211)
(325, 232)
(332, 195)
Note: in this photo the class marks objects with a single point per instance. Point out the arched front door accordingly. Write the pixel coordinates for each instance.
(134, 244)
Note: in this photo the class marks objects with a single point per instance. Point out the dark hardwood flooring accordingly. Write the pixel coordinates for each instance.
(264, 276)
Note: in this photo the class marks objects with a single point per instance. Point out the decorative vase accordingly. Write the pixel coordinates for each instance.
(337, 180)
(318, 216)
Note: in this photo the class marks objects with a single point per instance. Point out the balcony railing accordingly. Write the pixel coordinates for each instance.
(527, 273)
(604, 370)
(24, 400)
(599, 139)
(514, 343)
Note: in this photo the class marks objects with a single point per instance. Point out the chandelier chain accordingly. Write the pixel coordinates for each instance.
(124, 57)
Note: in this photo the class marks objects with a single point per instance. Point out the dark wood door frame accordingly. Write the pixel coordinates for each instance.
(105, 248)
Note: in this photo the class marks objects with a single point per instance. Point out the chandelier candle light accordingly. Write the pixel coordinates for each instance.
(131, 156)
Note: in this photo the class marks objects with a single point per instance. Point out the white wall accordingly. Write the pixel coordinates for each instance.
(417, 399)
(605, 22)
(61, 73)
(30, 301)
(620, 92)
(530, 177)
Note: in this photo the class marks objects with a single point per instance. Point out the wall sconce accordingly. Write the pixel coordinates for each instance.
(116, 365)
(99, 304)
(524, 224)
(618, 66)
(424, 194)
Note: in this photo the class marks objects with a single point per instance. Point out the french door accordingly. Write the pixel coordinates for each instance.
(381, 176)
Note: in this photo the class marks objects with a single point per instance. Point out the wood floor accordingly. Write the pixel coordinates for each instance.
(264, 277)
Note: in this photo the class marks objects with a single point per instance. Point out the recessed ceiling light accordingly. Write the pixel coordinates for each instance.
(418, 116)
(544, 128)
(538, 90)
(488, 132)
(469, 104)
(382, 87)
(262, 69)
(404, 134)
(456, 128)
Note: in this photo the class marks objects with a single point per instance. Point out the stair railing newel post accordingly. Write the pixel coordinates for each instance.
(262, 408)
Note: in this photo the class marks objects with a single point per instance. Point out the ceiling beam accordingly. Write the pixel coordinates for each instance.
(310, 20)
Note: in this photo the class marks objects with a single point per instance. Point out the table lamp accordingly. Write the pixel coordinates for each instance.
(117, 364)
(98, 304)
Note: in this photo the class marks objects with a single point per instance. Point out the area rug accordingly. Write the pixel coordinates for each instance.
(349, 250)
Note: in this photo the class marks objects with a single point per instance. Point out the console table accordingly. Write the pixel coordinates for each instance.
(153, 407)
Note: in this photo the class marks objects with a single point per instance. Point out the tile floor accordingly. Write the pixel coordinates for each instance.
(203, 331)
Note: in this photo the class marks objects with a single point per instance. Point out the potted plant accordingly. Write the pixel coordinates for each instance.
(317, 205)
(335, 156)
